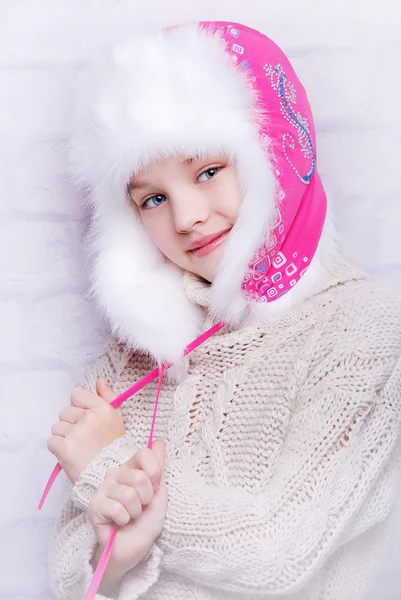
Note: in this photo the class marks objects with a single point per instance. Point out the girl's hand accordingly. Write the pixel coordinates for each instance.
(134, 497)
(85, 428)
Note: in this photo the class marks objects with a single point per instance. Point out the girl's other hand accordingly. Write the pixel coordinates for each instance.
(85, 428)
(134, 497)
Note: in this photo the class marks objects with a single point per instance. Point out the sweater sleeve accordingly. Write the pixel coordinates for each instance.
(334, 480)
(72, 549)
(73, 544)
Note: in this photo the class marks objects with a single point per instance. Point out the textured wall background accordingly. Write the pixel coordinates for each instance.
(346, 52)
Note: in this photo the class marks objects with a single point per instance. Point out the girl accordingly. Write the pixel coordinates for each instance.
(275, 467)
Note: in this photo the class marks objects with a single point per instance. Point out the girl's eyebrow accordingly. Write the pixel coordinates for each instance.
(137, 185)
(189, 161)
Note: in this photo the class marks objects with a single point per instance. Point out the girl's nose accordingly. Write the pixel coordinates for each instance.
(189, 210)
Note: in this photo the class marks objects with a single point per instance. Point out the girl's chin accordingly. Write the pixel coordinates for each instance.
(207, 266)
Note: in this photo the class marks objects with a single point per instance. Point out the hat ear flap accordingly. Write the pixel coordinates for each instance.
(252, 228)
(138, 290)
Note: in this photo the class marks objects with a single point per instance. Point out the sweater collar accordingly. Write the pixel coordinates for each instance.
(339, 272)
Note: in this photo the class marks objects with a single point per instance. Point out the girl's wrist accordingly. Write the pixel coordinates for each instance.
(116, 565)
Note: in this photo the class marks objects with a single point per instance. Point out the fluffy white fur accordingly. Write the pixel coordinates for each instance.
(152, 96)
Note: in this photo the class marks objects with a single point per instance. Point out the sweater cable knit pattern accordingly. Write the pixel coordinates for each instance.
(282, 455)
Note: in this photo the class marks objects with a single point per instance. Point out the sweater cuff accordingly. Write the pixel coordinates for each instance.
(72, 572)
(111, 457)
(138, 580)
(133, 584)
(87, 569)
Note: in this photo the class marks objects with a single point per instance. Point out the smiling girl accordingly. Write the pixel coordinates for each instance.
(276, 464)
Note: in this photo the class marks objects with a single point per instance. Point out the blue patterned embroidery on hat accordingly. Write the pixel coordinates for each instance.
(287, 93)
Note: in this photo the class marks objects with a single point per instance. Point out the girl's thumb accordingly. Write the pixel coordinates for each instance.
(159, 448)
(104, 390)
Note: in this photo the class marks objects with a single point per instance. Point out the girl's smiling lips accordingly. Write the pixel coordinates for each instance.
(207, 244)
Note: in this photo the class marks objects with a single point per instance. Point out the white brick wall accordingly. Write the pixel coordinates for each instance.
(347, 54)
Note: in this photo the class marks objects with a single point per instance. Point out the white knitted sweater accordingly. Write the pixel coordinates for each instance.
(282, 455)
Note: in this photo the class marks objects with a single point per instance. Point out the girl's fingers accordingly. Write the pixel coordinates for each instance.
(83, 398)
(127, 497)
(56, 445)
(106, 509)
(139, 481)
(146, 460)
(71, 414)
(61, 428)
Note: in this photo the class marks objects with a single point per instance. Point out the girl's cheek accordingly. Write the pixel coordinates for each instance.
(164, 243)
(161, 235)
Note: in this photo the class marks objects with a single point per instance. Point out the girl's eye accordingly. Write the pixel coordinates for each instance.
(154, 201)
(210, 173)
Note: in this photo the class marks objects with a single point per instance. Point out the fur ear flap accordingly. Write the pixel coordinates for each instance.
(251, 229)
(139, 291)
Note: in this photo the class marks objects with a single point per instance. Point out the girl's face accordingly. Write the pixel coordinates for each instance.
(188, 206)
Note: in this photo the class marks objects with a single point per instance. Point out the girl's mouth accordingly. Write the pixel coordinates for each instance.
(209, 243)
